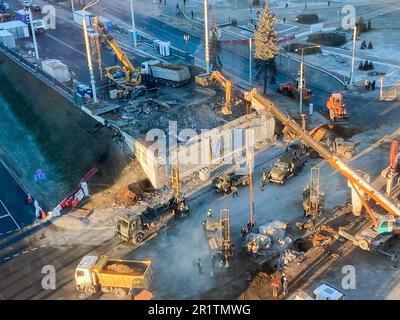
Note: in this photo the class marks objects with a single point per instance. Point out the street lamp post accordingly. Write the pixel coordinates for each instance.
(206, 45)
(353, 57)
(133, 24)
(301, 87)
(88, 51)
(72, 6)
(33, 35)
(186, 37)
(250, 61)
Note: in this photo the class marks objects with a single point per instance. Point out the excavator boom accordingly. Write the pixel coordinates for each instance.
(208, 79)
(260, 103)
(127, 64)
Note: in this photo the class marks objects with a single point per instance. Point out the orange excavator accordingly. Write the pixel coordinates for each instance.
(385, 225)
(337, 109)
(207, 80)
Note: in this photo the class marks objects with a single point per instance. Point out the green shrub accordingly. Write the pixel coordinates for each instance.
(307, 18)
(331, 39)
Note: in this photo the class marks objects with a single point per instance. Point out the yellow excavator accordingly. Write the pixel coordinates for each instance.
(209, 79)
(127, 74)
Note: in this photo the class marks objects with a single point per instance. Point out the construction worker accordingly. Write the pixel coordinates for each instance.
(263, 181)
(244, 232)
(250, 225)
(286, 146)
(284, 284)
(200, 266)
(29, 199)
(209, 213)
(373, 84)
(276, 285)
(234, 190)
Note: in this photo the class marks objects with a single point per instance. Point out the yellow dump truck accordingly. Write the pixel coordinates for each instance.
(95, 274)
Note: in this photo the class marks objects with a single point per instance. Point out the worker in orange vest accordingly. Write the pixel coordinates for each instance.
(276, 285)
(29, 199)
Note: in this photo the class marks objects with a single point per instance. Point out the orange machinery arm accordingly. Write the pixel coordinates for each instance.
(261, 103)
(114, 46)
(216, 75)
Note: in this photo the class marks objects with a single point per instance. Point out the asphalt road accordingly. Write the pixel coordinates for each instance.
(15, 213)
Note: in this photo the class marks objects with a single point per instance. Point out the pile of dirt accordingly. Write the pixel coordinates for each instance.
(125, 197)
(118, 268)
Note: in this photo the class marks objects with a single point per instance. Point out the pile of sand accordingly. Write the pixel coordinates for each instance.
(126, 197)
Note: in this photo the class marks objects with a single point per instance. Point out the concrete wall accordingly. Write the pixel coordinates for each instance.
(225, 143)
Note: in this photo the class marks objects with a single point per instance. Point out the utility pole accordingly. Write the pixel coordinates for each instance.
(206, 44)
(381, 89)
(250, 165)
(88, 51)
(133, 25)
(353, 57)
(250, 61)
(33, 35)
(301, 81)
(72, 6)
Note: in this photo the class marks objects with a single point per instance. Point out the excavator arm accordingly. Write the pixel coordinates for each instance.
(259, 102)
(216, 76)
(130, 71)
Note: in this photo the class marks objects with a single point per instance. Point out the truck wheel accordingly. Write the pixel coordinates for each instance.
(121, 293)
(138, 238)
(363, 244)
(348, 155)
(314, 155)
(90, 290)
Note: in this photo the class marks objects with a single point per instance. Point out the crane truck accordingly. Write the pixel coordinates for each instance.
(385, 226)
(210, 79)
(125, 76)
(102, 274)
(150, 71)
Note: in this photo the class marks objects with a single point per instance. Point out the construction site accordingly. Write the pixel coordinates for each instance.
(150, 152)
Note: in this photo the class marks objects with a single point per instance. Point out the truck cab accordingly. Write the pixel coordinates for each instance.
(287, 165)
(387, 223)
(39, 26)
(323, 292)
(136, 227)
(83, 274)
(146, 66)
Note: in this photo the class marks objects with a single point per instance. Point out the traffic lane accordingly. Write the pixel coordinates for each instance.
(157, 28)
(15, 212)
(21, 277)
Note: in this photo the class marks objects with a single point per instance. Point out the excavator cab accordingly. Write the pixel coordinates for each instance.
(388, 224)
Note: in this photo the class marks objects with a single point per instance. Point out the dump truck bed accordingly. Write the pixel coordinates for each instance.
(124, 273)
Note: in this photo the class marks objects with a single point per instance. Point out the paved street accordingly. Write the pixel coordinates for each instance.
(174, 252)
(15, 213)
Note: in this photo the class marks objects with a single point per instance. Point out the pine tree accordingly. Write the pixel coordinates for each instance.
(266, 43)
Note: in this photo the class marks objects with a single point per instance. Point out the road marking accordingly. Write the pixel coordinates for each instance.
(16, 255)
(26, 251)
(7, 258)
(43, 245)
(33, 249)
(19, 228)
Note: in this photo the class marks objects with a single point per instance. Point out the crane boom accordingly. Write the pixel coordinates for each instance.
(260, 103)
(127, 64)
